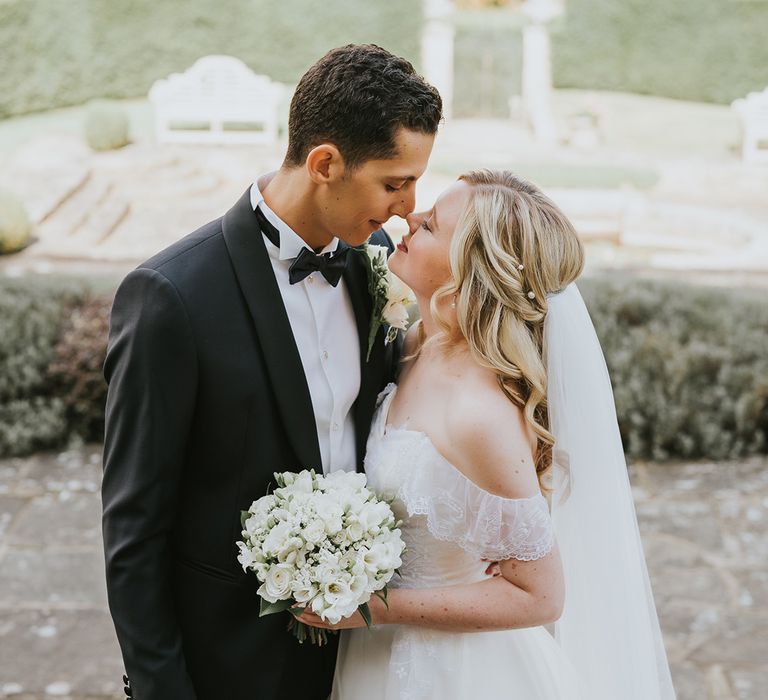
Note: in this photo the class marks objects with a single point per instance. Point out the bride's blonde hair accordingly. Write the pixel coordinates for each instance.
(512, 246)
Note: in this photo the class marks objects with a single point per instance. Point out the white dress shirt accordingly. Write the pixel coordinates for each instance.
(325, 330)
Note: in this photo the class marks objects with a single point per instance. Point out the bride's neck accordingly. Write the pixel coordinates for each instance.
(428, 324)
(430, 328)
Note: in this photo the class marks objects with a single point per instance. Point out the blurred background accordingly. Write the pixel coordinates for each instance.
(126, 125)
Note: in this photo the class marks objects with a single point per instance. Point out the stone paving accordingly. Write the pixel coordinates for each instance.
(703, 526)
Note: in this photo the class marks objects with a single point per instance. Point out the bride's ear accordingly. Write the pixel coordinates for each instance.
(325, 164)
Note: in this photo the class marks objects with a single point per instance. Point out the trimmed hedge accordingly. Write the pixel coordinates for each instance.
(689, 365)
(704, 50)
(64, 53)
(39, 333)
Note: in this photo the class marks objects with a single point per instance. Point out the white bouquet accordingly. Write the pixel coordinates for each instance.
(326, 543)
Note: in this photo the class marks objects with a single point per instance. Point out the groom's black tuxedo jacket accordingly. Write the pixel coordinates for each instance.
(207, 398)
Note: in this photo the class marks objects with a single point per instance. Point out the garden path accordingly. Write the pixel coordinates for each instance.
(704, 528)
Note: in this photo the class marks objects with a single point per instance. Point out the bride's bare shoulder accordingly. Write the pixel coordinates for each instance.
(490, 439)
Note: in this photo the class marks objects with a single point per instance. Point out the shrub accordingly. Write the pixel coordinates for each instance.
(106, 126)
(76, 370)
(15, 226)
(31, 313)
(689, 366)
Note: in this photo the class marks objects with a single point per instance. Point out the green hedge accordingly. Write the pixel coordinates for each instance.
(704, 50)
(689, 365)
(41, 336)
(63, 53)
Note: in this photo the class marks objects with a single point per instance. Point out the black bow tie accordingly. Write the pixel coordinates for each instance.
(329, 266)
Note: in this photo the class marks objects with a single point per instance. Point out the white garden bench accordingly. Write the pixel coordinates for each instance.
(218, 100)
(753, 111)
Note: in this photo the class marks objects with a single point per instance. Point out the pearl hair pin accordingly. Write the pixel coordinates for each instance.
(531, 295)
(521, 267)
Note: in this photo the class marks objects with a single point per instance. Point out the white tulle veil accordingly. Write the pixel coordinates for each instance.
(609, 628)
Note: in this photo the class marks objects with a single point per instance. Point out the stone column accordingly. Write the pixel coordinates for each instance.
(437, 49)
(537, 69)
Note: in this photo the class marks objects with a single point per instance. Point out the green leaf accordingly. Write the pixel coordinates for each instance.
(267, 608)
(297, 612)
(365, 611)
(244, 515)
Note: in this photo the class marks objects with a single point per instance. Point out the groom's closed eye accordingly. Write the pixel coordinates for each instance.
(396, 187)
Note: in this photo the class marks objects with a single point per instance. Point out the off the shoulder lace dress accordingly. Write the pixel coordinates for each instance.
(449, 526)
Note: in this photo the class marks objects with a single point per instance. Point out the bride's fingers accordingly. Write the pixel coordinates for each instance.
(309, 618)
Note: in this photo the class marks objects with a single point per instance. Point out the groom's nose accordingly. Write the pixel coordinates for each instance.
(406, 202)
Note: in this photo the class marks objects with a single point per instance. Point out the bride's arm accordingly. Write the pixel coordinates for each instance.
(527, 594)
(491, 445)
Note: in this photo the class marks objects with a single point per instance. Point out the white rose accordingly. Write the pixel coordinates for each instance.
(327, 572)
(373, 514)
(276, 539)
(395, 314)
(263, 505)
(314, 533)
(277, 584)
(398, 291)
(329, 510)
(377, 251)
(253, 524)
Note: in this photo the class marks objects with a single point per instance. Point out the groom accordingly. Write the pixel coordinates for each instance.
(240, 351)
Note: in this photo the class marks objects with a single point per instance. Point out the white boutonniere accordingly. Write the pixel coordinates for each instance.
(390, 296)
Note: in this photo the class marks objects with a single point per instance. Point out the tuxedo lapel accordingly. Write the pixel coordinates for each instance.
(256, 278)
(356, 279)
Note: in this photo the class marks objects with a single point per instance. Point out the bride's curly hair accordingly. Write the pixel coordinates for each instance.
(512, 246)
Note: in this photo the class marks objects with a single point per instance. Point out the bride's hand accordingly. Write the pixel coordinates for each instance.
(347, 623)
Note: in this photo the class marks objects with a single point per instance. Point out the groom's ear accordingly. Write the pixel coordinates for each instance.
(324, 164)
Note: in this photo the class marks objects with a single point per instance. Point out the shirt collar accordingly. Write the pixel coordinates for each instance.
(290, 241)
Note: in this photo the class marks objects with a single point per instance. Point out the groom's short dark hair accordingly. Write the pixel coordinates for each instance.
(357, 97)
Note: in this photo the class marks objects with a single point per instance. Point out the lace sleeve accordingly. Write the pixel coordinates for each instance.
(492, 527)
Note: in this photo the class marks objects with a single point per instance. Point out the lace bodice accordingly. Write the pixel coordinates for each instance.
(449, 524)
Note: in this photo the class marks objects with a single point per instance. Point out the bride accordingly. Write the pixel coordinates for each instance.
(500, 443)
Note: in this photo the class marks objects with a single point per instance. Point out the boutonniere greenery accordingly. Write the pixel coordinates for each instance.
(390, 296)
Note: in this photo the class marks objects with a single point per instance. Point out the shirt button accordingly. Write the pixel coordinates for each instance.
(335, 426)
(325, 354)
(310, 279)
